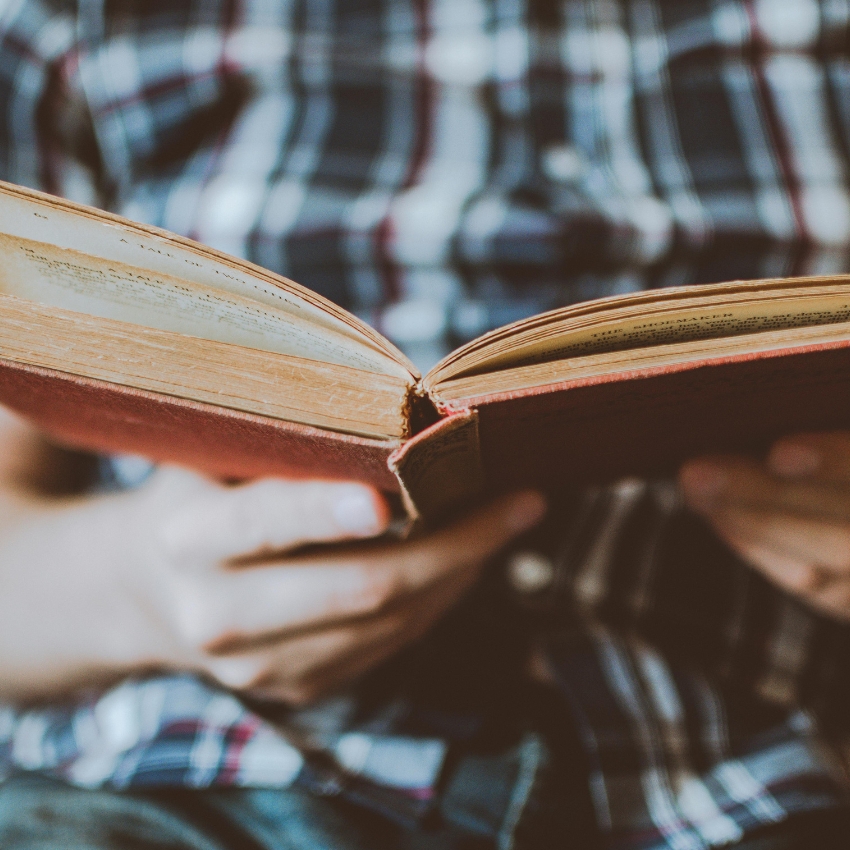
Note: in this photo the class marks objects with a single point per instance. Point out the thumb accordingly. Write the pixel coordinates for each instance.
(223, 523)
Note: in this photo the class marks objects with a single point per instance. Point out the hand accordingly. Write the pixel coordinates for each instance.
(789, 516)
(184, 573)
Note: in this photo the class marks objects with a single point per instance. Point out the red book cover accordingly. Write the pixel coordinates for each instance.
(647, 422)
(224, 443)
(572, 434)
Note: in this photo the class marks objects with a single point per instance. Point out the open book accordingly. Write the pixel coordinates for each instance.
(123, 338)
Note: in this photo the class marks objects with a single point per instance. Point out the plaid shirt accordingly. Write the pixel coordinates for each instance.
(442, 167)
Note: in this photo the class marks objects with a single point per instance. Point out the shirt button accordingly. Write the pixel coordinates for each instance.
(563, 163)
(530, 572)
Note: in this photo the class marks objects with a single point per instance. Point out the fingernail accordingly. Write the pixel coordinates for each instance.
(703, 483)
(527, 509)
(355, 511)
(794, 460)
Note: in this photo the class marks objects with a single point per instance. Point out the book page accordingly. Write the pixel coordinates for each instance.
(578, 332)
(506, 381)
(34, 216)
(283, 387)
(110, 290)
(678, 325)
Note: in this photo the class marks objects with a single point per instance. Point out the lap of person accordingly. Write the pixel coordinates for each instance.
(37, 813)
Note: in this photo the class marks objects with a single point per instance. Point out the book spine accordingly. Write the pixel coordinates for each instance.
(420, 411)
(440, 468)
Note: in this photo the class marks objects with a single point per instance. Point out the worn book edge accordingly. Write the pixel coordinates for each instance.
(440, 467)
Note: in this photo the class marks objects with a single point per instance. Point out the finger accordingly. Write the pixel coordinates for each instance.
(711, 484)
(822, 456)
(302, 669)
(411, 628)
(292, 665)
(792, 574)
(292, 661)
(306, 668)
(325, 680)
(473, 540)
(806, 540)
(263, 604)
(230, 607)
(808, 582)
(833, 599)
(223, 523)
(437, 596)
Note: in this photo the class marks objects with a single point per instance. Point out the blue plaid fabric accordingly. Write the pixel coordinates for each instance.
(180, 731)
(442, 167)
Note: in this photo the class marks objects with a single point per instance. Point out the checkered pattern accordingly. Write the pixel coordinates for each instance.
(668, 770)
(685, 671)
(445, 166)
(442, 167)
(179, 731)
